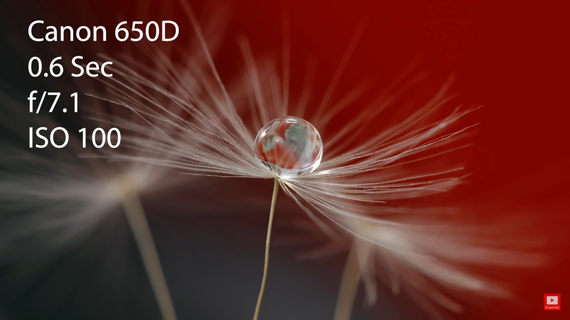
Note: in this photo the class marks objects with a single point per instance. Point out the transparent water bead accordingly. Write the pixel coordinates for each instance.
(289, 146)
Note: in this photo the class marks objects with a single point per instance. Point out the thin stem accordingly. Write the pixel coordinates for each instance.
(143, 236)
(348, 285)
(267, 243)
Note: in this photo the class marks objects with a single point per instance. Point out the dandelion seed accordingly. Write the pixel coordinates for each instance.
(216, 142)
(289, 147)
(219, 133)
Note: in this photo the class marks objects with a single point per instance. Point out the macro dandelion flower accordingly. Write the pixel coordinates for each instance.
(348, 180)
(52, 200)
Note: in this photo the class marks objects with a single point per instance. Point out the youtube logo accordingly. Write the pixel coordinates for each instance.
(552, 301)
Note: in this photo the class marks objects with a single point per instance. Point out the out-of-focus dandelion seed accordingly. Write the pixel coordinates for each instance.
(344, 189)
(417, 258)
(59, 197)
(51, 199)
(424, 252)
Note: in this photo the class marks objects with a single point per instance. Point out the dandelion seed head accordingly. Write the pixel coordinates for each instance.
(289, 146)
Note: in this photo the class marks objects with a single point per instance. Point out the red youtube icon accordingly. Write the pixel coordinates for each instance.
(552, 301)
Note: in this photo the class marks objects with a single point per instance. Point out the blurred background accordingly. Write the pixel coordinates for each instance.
(508, 56)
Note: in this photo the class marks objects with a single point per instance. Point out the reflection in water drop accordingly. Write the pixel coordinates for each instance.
(289, 146)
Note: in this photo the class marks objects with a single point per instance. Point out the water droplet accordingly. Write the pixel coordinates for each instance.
(289, 146)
